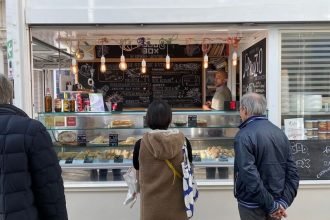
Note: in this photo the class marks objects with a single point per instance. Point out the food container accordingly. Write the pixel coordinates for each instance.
(312, 137)
(311, 124)
(323, 125)
(312, 132)
(323, 135)
(201, 123)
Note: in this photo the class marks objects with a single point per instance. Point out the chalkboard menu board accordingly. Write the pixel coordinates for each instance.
(181, 86)
(312, 158)
(254, 68)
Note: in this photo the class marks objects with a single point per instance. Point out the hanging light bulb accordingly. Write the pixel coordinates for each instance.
(167, 60)
(206, 61)
(74, 67)
(143, 66)
(122, 64)
(103, 67)
(234, 58)
(79, 54)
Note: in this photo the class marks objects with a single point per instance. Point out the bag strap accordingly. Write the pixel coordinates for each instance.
(175, 172)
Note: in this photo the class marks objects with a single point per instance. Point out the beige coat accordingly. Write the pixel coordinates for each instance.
(161, 199)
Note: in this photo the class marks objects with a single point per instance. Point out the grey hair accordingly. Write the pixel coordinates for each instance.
(6, 90)
(254, 103)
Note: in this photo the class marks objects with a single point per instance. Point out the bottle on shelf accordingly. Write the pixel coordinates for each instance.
(66, 103)
(48, 101)
(72, 104)
(58, 104)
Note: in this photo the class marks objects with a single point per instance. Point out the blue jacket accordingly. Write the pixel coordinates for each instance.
(265, 173)
(31, 186)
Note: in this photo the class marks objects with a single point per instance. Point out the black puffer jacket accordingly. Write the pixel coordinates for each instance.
(31, 186)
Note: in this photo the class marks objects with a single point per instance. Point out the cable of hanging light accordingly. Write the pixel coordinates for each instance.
(205, 49)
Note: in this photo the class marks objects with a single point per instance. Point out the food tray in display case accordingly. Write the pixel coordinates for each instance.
(105, 141)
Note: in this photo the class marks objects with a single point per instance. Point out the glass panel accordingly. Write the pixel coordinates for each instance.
(305, 88)
(305, 100)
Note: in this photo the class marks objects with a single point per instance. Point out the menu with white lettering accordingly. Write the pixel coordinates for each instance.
(180, 86)
(312, 158)
(254, 68)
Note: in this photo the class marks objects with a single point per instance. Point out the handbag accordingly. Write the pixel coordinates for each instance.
(133, 186)
(190, 190)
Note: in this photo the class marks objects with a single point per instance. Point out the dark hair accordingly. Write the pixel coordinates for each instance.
(159, 115)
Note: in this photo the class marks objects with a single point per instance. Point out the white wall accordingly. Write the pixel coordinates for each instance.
(174, 11)
(215, 202)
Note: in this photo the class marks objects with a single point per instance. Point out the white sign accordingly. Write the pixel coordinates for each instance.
(294, 128)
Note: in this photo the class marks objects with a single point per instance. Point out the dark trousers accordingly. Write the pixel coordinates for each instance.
(253, 214)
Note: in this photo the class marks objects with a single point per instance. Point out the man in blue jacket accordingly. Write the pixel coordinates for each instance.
(266, 178)
(31, 186)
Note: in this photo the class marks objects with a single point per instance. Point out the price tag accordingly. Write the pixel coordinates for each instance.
(81, 139)
(71, 121)
(192, 120)
(113, 140)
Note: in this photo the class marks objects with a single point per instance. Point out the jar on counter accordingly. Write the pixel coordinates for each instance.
(323, 135)
(312, 132)
(323, 125)
(328, 125)
(311, 124)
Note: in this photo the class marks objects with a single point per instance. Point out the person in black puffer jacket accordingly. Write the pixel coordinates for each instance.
(31, 186)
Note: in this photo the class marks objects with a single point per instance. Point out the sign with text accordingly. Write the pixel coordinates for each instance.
(312, 158)
(113, 140)
(81, 139)
(294, 128)
(192, 120)
(181, 86)
(254, 68)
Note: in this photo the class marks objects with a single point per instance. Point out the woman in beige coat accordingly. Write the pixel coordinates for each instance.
(161, 191)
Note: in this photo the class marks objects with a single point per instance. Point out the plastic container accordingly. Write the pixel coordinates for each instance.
(311, 124)
(323, 135)
(312, 132)
(323, 125)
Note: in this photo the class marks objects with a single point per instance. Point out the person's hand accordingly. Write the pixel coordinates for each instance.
(279, 213)
(207, 105)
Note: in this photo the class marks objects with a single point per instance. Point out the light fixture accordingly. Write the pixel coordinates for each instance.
(79, 54)
(122, 64)
(206, 46)
(103, 67)
(143, 66)
(206, 61)
(234, 58)
(167, 60)
(74, 67)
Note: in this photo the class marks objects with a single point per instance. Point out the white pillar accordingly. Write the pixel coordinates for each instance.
(17, 32)
(273, 78)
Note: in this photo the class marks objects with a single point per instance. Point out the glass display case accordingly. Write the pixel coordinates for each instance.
(98, 146)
